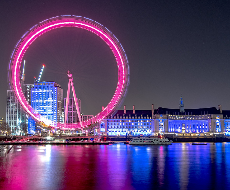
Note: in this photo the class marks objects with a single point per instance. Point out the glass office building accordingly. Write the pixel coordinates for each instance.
(46, 99)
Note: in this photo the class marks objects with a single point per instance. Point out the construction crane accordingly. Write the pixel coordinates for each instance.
(40, 74)
(23, 71)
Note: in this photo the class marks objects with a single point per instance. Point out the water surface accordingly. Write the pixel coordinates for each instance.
(116, 167)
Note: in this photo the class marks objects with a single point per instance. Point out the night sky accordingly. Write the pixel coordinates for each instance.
(174, 48)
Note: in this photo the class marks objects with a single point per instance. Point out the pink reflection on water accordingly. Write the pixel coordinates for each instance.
(161, 165)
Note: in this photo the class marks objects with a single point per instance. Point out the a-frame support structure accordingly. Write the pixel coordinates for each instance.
(70, 77)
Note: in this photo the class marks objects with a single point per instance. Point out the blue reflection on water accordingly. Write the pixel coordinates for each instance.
(115, 167)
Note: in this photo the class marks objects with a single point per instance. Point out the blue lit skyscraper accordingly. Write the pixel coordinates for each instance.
(46, 99)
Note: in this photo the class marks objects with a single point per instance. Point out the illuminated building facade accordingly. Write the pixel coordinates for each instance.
(128, 122)
(204, 120)
(14, 113)
(167, 121)
(27, 91)
(46, 99)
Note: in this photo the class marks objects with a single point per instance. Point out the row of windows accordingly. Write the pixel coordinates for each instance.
(117, 127)
(129, 124)
(129, 120)
(188, 131)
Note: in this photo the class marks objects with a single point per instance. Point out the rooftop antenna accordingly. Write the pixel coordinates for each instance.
(181, 105)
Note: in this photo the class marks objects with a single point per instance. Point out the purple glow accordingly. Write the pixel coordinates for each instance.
(83, 23)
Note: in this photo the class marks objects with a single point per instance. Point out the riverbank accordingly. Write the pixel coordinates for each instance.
(54, 143)
(102, 140)
(179, 139)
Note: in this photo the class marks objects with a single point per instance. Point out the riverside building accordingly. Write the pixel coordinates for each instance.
(191, 122)
(15, 114)
(46, 99)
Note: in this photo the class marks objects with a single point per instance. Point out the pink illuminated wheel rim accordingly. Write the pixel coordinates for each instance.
(70, 21)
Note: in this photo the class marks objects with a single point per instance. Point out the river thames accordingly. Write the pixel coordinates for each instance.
(116, 167)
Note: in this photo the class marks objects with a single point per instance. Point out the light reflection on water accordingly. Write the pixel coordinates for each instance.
(118, 166)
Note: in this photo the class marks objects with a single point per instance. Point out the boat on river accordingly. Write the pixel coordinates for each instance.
(150, 141)
(199, 143)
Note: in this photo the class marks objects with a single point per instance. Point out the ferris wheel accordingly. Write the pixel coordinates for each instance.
(70, 21)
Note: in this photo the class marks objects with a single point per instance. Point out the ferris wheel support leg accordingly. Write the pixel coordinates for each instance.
(67, 104)
(76, 103)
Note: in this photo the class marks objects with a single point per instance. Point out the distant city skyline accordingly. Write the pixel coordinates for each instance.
(173, 48)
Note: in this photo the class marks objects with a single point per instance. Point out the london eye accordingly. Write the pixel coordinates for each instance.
(65, 21)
